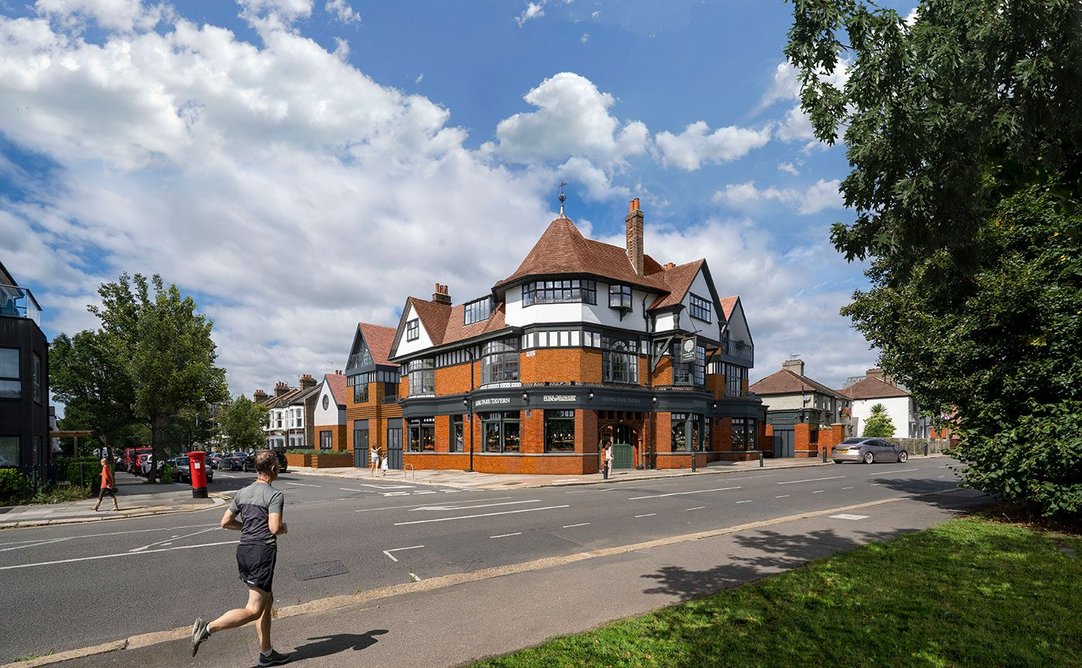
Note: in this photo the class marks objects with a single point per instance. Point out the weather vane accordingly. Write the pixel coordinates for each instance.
(563, 198)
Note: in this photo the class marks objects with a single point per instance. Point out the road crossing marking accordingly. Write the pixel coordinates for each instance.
(697, 491)
(793, 482)
(399, 549)
(470, 517)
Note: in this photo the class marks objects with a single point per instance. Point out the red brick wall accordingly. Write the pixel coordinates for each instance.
(456, 379)
(560, 365)
(339, 441)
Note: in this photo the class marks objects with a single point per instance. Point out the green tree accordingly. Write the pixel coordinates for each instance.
(242, 422)
(879, 424)
(87, 374)
(963, 131)
(168, 353)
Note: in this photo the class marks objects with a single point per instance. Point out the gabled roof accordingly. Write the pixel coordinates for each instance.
(728, 304)
(678, 281)
(337, 384)
(282, 400)
(379, 340)
(445, 324)
(304, 394)
(789, 382)
(563, 250)
(873, 388)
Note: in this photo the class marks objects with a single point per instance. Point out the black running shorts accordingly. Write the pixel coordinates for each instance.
(256, 565)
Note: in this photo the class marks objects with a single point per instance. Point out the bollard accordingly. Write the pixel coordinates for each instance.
(693, 458)
(824, 455)
(925, 449)
(760, 459)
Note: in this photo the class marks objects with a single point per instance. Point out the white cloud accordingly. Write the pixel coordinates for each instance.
(585, 38)
(597, 183)
(420, 78)
(122, 15)
(813, 199)
(572, 119)
(342, 10)
(697, 145)
(788, 168)
(266, 15)
(533, 10)
(273, 181)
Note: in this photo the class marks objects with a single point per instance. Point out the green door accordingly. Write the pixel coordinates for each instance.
(621, 448)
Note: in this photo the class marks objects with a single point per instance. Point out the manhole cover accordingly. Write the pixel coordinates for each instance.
(324, 569)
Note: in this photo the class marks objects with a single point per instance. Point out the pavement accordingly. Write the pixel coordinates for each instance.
(452, 620)
(137, 498)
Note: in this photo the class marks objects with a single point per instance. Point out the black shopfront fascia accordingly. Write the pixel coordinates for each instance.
(585, 397)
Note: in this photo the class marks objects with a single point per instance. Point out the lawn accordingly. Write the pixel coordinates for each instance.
(970, 592)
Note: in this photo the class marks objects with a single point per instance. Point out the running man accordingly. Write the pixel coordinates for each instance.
(259, 509)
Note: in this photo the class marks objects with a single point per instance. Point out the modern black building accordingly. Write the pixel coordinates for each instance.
(24, 378)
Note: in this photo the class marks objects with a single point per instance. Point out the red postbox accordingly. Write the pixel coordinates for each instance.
(197, 461)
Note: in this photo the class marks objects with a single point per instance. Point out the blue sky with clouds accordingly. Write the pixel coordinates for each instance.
(300, 165)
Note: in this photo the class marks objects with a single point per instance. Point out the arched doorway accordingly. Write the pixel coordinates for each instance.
(624, 437)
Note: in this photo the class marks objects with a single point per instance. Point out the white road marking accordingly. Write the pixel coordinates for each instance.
(112, 556)
(697, 491)
(479, 505)
(362, 484)
(302, 484)
(450, 491)
(942, 476)
(426, 491)
(904, 470)
(505, 535)
(35, 543)
(695, 508)
(399, 549)
(171, 539)
(748, 501)
(396, 494)
(793, 482)
(470, 517)
(846, 516)
(416, 505)
(646, 515)
(782, 496)
(572, 526)
(818, 491)
(844, 488)
(415, 577)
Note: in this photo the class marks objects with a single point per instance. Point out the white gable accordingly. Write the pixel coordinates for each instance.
(423, 340)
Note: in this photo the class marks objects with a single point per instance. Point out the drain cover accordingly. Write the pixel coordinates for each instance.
(324, 569)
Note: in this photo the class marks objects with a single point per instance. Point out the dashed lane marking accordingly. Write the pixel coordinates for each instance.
(695, 508)
(696, 491)
(818, 491)
(505, 535)
(470, 517)
(646, 515)
(747, 501)
(793, 482)
(572, 526)
(782, 496)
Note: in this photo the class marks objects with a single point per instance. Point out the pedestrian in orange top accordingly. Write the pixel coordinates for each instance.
(108, 484)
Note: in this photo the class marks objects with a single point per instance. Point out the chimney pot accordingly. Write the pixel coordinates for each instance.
(634, 222)
(441, 295)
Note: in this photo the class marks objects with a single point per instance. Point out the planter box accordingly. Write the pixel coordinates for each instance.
(330, 461)
(295, 459)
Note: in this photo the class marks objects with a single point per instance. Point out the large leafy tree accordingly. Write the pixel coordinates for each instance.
(242, 421)
(87, 374)
(167, 354)
(963, 130)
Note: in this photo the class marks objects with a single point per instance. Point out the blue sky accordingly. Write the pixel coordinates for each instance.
(301, 165)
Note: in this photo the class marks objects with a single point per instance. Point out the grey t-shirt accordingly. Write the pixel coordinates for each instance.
(251, 506)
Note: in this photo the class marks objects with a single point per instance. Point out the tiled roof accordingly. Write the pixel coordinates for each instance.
(678, 281)
(444, 323)
(563, 250)
(788, 382)
(337, 383)
(379, 340)
(873, 388)
(727, 306)
(304, 394)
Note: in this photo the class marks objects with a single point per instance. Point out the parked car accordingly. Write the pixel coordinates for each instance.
(182, 471)
(234, 461)
(283, 467)
(867, 450)
(145, 462)
(213, 460)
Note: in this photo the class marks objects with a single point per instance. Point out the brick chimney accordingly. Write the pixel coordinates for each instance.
(880, 374)
(280, 388)
(307, 381)
(794, 365)
(259, 397)
(441, 296)
(634, 235)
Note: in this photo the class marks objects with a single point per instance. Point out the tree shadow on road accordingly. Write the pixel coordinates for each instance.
(759, 554)
(339, 642)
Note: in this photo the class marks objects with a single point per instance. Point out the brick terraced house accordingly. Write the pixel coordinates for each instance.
(585, 343)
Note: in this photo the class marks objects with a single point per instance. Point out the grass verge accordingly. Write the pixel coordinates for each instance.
(970, 592)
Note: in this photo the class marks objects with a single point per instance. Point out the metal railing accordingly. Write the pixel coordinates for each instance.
(17, 302)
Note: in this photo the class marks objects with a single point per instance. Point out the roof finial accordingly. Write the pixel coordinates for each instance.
(563, 198)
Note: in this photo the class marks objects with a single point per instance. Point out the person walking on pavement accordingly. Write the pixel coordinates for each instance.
(374, 456)
(256, 511)
(108, 484)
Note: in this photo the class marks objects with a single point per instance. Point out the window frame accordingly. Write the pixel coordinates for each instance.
(326, 439)
(560, 291)
(559, 416)
(421, 434)
(8, 441)
(413, 329)
(743, 433)
(15, 380)
(617, 352)
(360, 393)
(473, 313)
(624, 294)
(501, 421)
(699, 308)
(456, 433)
(424, 371)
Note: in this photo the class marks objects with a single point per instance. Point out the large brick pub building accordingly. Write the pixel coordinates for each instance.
(585, 343)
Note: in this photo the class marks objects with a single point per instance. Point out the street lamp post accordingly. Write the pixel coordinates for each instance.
(468, 401)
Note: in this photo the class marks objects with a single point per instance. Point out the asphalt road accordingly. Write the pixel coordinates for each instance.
(80, 585)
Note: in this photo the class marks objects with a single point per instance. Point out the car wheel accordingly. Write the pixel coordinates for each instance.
(903, 456)
(868, 458)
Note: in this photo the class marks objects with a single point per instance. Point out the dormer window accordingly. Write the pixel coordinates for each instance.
(699, 308)
(477, 311)
(620, 297)
(573, 291)
(413, 330)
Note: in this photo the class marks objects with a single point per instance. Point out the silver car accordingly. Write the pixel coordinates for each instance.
(867, 450)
